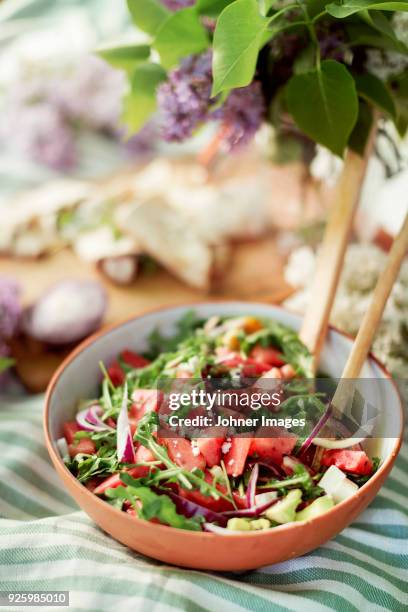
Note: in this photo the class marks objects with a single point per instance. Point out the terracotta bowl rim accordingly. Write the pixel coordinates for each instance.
(385, 467)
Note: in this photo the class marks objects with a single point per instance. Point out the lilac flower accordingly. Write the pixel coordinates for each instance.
(175, 5)
(40, 133)
(184, 99)
(142, 143)
(242, 114)
(10, 309)
(90, 95)
(185, 103)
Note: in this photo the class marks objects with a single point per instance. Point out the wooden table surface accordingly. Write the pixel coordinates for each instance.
(255, 273)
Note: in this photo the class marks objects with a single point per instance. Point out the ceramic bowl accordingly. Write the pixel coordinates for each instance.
(78, 377)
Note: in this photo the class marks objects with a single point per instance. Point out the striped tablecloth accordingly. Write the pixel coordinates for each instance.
(46, 543)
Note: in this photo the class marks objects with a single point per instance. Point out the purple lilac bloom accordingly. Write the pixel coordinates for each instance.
(175, 5)
(10, 308)
(41, 134)
(142, 143)
(242, 114)
(184, 99)
(91, 95)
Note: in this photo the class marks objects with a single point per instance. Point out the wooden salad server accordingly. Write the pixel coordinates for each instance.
(372, 318)
(333, 247)
(368, 329)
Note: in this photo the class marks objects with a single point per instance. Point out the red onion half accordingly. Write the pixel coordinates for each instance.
(124, 440)
(66, 313)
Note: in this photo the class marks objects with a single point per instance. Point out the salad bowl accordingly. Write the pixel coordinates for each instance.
(78, 378)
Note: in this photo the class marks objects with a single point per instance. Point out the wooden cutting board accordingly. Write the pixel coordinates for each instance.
(255, 273)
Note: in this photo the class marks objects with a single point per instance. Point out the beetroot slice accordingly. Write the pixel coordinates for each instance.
(66, 313)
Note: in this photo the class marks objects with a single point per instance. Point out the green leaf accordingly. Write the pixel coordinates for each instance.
(212, 8)
(148, 15)
(349, 7)
(160, 507)
(373, 90)
(324, 104)
(238, 36)
(363, 34)
(400, 89)
(126, 57)
(140, 102)
(379, 22)
(359, 136)
(5, 363)
(180, 35)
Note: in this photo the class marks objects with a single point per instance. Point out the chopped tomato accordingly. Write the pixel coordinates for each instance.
(86, 445)
(210, 448)
(217, 505)
(143, 401)
(355, 462)
(116, 374)
(133, 359)
(144, 454)
(236, 457)
(70, 428)
(109, 421)
(240, 501)
(114, 481)
(181, 452)
(273, 373)
(267, 355)
(233, 360)
(254, 368)
(272, 449)
(92, 484)
(288, 371)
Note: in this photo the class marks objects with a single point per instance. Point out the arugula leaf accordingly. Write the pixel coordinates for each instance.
(300, 478)
(186, 326)
(153, 506)
(103, 463)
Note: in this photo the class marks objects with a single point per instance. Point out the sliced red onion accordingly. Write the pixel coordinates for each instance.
(191, 509)
(210, 527)
(318, 427)
(124, 439)
(263, 498)
(337, 444)
(67, 312)
(252, 512)
(251, 488)
(89, 419)
(62, 447)
(277, 471)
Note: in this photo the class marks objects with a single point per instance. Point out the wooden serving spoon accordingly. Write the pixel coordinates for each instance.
(372, 317)
(332, 250)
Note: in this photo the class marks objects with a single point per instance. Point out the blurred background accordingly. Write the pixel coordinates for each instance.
(96, 227)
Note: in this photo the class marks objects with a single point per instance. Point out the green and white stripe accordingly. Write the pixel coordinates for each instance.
(47, 544)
